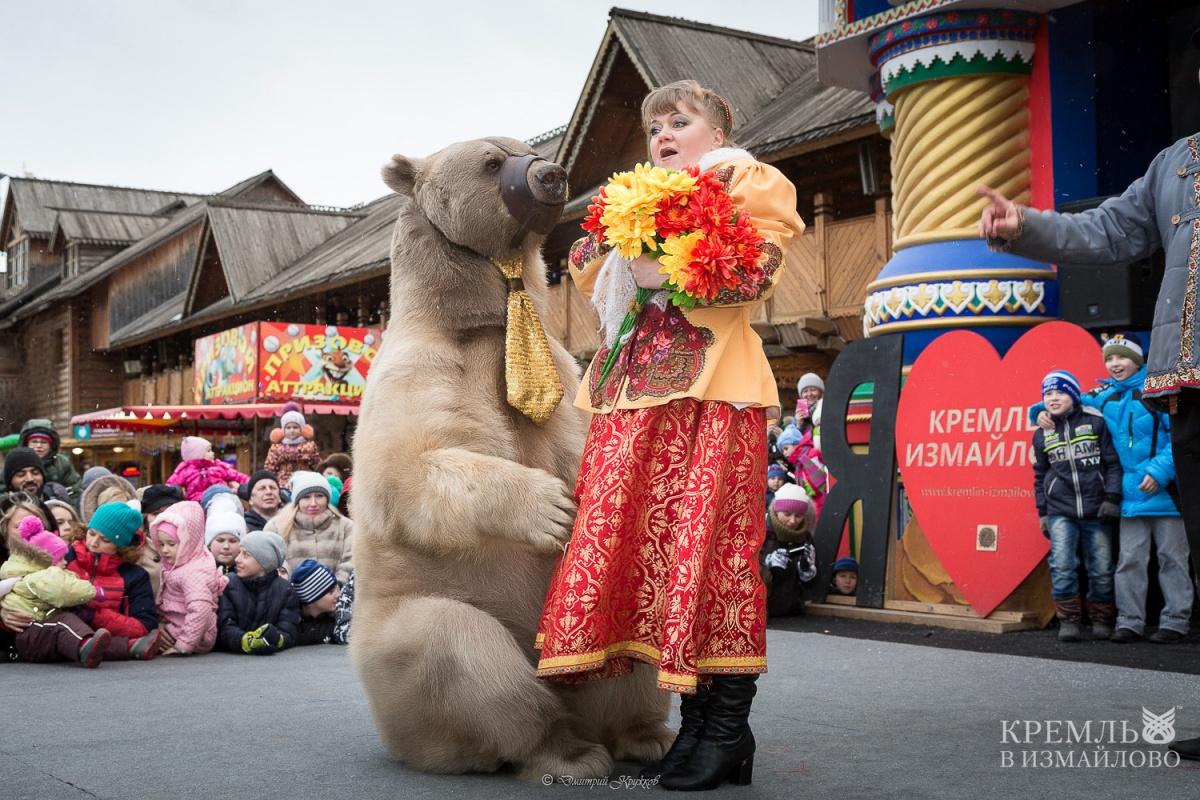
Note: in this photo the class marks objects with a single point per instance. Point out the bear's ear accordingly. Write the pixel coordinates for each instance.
(401, 174)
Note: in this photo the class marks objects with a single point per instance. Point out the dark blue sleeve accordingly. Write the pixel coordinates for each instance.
(140, 594)
(229, 634)
(289, 617)
(1040, 463)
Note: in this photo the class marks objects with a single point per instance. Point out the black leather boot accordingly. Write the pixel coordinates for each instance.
(725, 751)
(1187, 748)
(691, 710)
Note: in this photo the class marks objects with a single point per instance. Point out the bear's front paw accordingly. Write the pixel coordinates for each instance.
(554, 515)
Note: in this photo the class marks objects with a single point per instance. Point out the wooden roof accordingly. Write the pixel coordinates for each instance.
(159, 319)
(248, 187)
(38, 202)
(770, 84)
(805, 112)
(256, 241)
(181, 221)
(361, 250)
(103, 227)
(548, 143)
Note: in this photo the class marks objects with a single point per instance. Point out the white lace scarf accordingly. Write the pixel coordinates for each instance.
(615, 288)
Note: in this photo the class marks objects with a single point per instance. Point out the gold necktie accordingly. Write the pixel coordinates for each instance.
(530, 376)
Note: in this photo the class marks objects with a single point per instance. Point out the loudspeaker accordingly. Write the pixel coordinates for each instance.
(1109, 297)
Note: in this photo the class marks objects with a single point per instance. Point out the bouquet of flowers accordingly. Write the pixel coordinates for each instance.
(687, 221)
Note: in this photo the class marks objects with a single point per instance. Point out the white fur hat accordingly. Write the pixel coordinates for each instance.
(223, 521)
(810, 379)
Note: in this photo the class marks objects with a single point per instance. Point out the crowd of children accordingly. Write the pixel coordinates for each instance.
(1103, 464)
(796, 488)
(175, 570)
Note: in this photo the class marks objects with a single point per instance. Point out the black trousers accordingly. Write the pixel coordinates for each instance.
(1185, 448)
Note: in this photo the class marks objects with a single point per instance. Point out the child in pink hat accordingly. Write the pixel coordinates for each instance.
(33, 582)
(200, 469)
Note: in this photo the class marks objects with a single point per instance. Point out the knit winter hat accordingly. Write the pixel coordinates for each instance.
(810, 379)
(267, 548)
(304, 482)
(20, 458)
(223, 521)
(790, 435)
(845, 564)
(1062, 381)
(194, 447)
(291, 413)
(312, 580)
(776, 471)
(31, 531)
(158, 496)
(39, 435)
(335, 489)
(792, 499)
(53, 504)
(247, 488)
(117, 522)
(1125, 344)
(93, 474)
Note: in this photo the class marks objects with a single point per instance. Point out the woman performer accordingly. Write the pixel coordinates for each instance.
(662, 566)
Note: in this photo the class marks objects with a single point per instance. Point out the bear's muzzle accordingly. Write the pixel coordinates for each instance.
(534, 191)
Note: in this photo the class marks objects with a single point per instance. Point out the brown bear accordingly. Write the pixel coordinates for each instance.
(462, 503)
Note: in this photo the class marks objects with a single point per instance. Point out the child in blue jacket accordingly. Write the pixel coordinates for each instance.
(1142, 439)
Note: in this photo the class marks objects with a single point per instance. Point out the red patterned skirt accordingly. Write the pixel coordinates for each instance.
(663, 562)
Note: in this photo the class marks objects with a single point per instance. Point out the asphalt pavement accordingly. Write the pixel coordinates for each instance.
(836, 716)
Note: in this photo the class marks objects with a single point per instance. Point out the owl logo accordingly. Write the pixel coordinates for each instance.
(1158, 729)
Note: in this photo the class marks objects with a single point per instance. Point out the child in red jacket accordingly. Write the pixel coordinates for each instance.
(200, 469)
(108, 558)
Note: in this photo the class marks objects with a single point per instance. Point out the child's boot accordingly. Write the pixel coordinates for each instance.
(1103, 616)
(1070, 614)
(143, 648)
(91, 652)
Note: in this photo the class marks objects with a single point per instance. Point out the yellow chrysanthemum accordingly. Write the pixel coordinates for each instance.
(677, 254)
(662, 181)
(632, 198)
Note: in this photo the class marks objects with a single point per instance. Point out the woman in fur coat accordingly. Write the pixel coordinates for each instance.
(313, 528)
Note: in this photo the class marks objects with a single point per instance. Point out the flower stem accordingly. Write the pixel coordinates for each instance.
(626, 328)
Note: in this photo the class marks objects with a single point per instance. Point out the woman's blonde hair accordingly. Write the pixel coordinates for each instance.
(23, 502)
(689, 94)
(285, 520)
(113, 494)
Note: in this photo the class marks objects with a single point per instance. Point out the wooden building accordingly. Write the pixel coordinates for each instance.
(97, 313)
(825, 140)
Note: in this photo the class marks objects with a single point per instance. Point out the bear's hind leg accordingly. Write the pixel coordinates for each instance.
(461, 696)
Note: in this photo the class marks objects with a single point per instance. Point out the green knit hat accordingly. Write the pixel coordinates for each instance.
(117, 522)
(1125, 344)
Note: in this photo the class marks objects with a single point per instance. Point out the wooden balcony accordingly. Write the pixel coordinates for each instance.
(817, 306)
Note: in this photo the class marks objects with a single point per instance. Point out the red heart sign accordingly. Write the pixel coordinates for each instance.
(964, 445)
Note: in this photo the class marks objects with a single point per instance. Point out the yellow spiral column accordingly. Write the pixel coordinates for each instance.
(950, 136)
(952, 95)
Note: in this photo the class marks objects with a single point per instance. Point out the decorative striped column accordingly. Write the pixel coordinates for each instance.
(952, 92)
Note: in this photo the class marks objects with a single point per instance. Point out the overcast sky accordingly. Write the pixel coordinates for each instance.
(195, 95)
